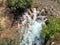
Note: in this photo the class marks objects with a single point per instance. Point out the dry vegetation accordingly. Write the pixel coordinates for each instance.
(8, 35)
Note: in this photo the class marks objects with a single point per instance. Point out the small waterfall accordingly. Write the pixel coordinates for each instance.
(31, 29)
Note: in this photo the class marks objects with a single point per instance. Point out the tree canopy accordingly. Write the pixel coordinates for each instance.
(13, 4)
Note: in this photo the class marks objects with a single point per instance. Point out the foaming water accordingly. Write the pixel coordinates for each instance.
(31, 30)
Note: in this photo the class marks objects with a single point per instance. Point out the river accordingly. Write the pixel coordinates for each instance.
(32, 30)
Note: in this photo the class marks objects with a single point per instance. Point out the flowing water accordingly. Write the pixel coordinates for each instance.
(31, 32)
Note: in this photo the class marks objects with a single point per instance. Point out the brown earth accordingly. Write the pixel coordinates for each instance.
(49, 4)
(5, 21)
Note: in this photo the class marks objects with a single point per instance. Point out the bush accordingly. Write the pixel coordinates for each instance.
(18, 7)
(13, 4)
(52, 28)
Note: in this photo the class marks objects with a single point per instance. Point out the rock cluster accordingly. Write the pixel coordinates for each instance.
(52, 6)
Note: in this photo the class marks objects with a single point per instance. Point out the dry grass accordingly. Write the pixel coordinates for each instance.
(8, 35)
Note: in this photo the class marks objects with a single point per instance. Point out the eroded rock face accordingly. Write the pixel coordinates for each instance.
(51, 5)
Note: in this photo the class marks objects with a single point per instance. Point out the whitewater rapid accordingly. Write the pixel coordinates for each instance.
(32, 32)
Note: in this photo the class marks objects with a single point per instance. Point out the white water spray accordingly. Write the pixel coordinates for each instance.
(32, 29)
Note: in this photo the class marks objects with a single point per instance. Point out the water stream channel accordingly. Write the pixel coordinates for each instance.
(31, 29)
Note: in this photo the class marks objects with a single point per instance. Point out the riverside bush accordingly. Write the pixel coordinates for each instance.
(18, 7)
(13, 4)
(52, 28)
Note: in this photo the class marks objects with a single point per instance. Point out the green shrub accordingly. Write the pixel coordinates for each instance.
(52, 28)
(13, 4)
(17, 7)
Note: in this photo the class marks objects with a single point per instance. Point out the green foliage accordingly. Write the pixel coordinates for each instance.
(8, 42)
(19, 3)
(52, 28)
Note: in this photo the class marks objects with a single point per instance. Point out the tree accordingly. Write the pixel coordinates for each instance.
(17, 7)
(14, 4)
